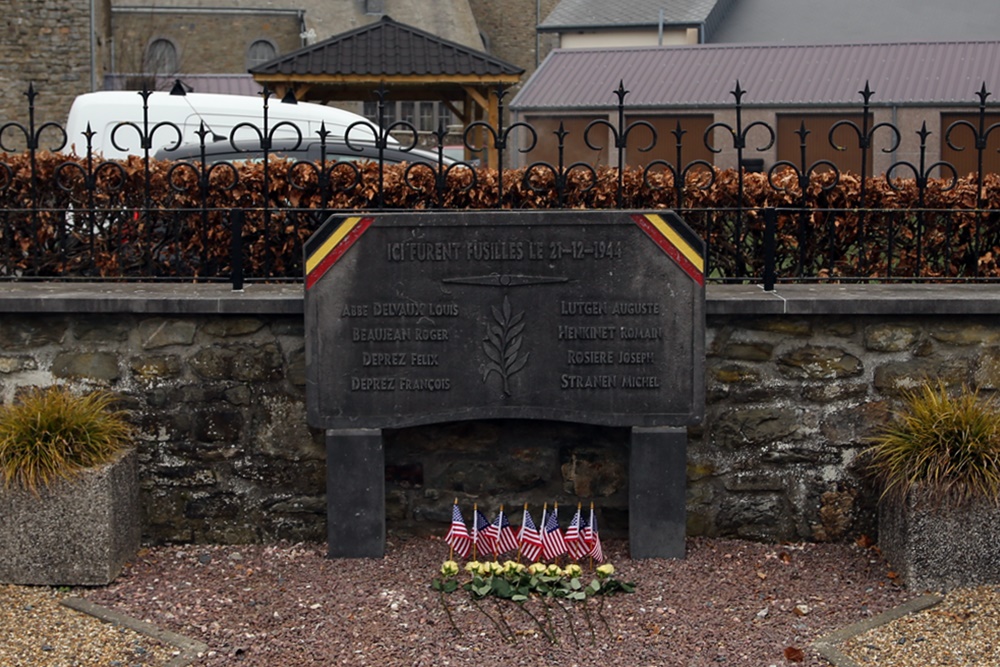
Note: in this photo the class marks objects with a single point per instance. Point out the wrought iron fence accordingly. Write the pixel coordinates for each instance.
(65, 217)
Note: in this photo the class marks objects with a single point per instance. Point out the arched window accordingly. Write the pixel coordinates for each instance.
(260, 51)
(161, 57)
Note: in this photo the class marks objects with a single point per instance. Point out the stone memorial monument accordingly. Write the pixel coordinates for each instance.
(595, 317)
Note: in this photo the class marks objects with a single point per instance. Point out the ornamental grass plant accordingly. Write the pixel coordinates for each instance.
(53, 433)
(944, 446)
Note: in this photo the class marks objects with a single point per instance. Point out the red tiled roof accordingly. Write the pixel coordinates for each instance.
(903, 74)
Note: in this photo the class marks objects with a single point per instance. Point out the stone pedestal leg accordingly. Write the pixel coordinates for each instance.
(657, 515)
(355, 493)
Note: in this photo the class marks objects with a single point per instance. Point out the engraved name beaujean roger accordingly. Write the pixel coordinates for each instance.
(585, 316)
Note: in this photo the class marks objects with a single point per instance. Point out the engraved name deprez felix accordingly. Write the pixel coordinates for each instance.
(595, 317)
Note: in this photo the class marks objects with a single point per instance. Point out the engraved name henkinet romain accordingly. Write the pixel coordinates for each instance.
(587, 316)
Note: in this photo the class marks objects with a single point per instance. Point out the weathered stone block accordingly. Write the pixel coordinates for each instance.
(834, 392)
(26, 332)
(836, 515)
(156, 367)
(897, 377)
(750, 351)
(87, 330)
(16, 364)
(232, 326)
(885, 337)
(964, 333)
(735, 374)
(986, 372)
(588, 474)
(854, 425)
(938, 547)
(76, 533)
(817, 362)
(257, 364)
(101, 366)
(213, 363)
(160, 332)
(756, 426)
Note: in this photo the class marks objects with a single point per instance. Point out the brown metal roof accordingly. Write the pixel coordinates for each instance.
(904, 74)
(387, 48)
(576, 14)
(228, 84)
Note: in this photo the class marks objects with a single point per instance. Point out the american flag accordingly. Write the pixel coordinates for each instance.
(592, 538)
(528, 538)
(481, 539)
(502, 534)
(458, 537)
(553, 544)
(575, 544)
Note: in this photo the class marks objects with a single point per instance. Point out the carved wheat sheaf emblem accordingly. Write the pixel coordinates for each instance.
(502, 344)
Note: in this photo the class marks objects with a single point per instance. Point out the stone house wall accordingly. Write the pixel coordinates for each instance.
(215, 379)
(206, 43)
(46, 43)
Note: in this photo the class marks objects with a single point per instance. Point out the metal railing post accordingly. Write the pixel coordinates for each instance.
(236, 218)
(770, 245)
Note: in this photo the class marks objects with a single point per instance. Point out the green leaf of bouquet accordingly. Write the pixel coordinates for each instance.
(501, 588)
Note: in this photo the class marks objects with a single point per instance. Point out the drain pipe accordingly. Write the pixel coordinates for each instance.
(659, 39)
(93, 47)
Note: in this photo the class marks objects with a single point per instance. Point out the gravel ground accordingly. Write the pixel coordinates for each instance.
(962, 630)
(728, 603)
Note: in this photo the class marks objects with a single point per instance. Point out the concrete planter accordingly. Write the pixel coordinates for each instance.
(936, 547)
(78, 532)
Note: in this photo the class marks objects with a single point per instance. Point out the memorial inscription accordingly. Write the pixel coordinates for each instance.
(587, 316)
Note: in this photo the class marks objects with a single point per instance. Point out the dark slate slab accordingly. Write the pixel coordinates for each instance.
(585, 316)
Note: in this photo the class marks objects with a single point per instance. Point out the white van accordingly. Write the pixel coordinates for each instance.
(105, 110)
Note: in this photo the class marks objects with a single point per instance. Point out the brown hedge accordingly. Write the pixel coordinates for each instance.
(172, 220)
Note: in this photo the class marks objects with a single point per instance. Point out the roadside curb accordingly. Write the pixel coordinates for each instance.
(190, 649)
(828, 645)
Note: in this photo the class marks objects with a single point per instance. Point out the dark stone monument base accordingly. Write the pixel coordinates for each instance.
(657, 479)
(355, 493)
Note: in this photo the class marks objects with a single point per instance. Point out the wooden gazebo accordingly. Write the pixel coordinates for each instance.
(409, 63)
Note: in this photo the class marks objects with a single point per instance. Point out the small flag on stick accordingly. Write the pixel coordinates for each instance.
(593, 538)
(553, 544)
(575, 545)
(458, 537)
(502, 534)
(481, 540)
(528, 538)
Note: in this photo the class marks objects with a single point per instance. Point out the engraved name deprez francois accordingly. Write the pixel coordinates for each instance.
(585, 316)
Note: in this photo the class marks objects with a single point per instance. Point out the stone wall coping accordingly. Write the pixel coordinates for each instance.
(287, 299)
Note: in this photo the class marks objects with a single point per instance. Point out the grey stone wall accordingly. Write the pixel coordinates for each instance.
(215, 380)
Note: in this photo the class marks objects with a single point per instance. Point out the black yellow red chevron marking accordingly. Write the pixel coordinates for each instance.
(330, 243)
(677, 242)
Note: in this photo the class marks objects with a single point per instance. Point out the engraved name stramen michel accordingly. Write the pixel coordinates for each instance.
(594, 317)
